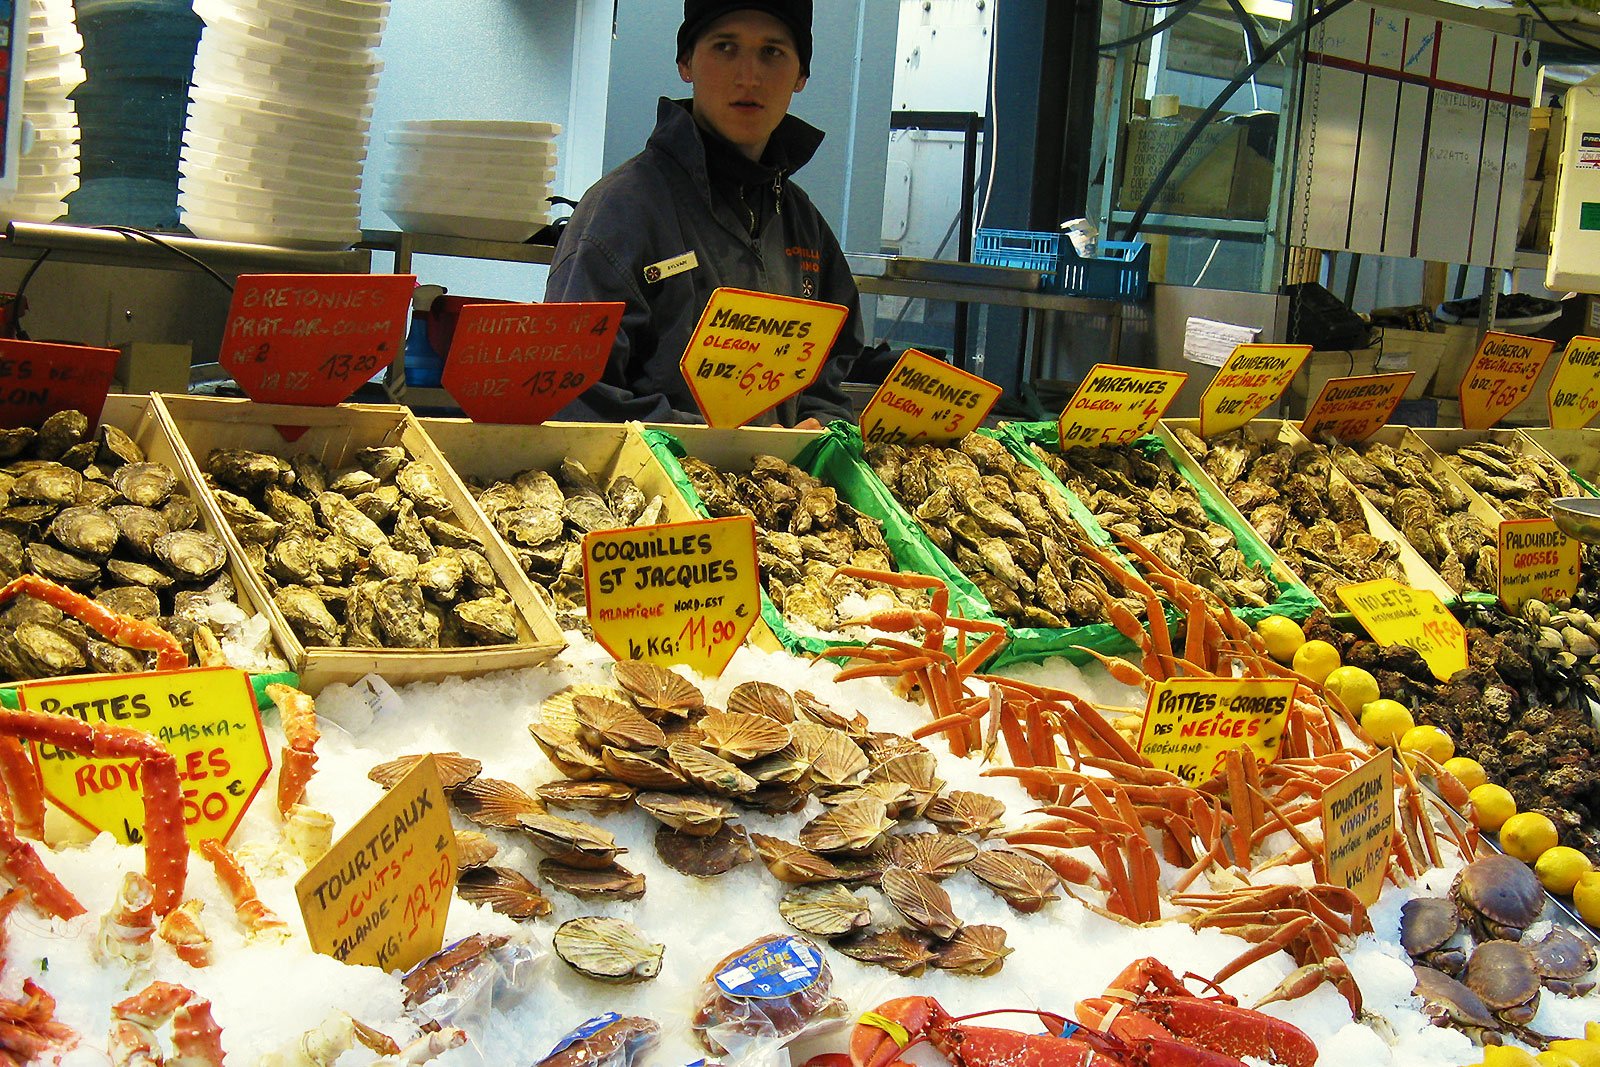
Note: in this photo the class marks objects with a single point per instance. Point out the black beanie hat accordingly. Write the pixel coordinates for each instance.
(795, 14)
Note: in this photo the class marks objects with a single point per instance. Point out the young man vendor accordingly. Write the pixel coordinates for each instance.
(709, 203)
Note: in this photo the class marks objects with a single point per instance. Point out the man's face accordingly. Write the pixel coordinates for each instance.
(744, 69)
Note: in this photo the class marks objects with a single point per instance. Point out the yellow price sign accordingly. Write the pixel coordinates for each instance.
(1352, 409)
(380, 895)
(1537, 562)
(680, 593)
(752, 351)
(1116, 405)
(208, 720)
(1358, 827)
(1252, 379)
(1575, 389)
(1500, 376)
(1395, 614)
(1191, 723)
(925, 399)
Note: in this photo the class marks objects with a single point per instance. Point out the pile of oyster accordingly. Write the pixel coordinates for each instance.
(803, 533)
(1004, 526)
(1312, 519)
(367, 556)
(1140, 493)
(93, 514)
(544, 516)
(1429, 511)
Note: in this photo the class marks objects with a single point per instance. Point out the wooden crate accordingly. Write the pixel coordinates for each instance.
(489, 452)
(1447, 440)
(1576, 450)
(1419, 574)
(334, 434)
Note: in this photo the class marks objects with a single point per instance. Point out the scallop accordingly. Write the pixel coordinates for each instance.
(1024, 882)
(494, 802)
(762, 698)
(473, 849)
(922, 901)
(825, 910)
(641, 770)
(710, 771)
(935, 855)
(598, 795)
(901, 950)
(503, 890)
(704, 856)
(742, 738)
(655, 688)
(964, 812)
(607, 722)
(833, 756)
(976, 950)
(852, 827)
(608, 950)
(794, 864)
(611, 882)
(454, 769)
(695, 816)
(577, 844)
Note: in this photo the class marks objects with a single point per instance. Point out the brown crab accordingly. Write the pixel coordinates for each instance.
(1499, 896)
(1430, 932)
(1503, 975)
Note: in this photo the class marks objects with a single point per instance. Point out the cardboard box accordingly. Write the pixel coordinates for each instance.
(148, 367)
(1321, 366)
(1460, 345)
(334, 435)
(1221, 176)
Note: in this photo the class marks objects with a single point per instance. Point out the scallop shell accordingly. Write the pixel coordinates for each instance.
(833, 756)
(935, 855)
(852, 827)
(657, 689)
(762, 698)
(918, 769)
(695, 816)
(454, 769)
(473, 849)
(901, 800)
(1024, 882)
(776, 799)
(902, 950)
(559, 712)
(882, 746)
(710, 771)
(976, 950)
(640, 770)
(612, 882)
(792, 864)
(564, 750)
(825, 910)
(505, 891)
(964, 812)
(742, 738)
(598, 795)
(577, 844)
(607, 949)
(606, 722)
(922, 901)
(704, 857)
(807, 706)
(493, 802)
(780, 768)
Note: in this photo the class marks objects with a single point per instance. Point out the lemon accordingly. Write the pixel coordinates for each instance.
(1586, 898)
(1551, 1058)
(1385, 721)
(1591, 1031)
(1466, 770)
(1491, 805)
(1282, 636)
(1354, 687)
(1316, 660)
(1430, 741)
(1508, 1056)
(1527, 835)
(1560, 868)
(1583, 1053)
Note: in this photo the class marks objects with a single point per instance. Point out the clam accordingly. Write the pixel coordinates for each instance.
(596, 795)
(1024, 882)
(742, 738)
(454, 769)
(824, 910)
(691, 815)
(146, 485)
(657, 689)
(762, 698)
(901, 950)
(607, 949)
(576, 844)
(193, 555)
(852, 827)
(503, 890)
(612, 882)
(964, 812)
(493, 802)
(935, 855)
(976, 950)
(921, 900)
(704, 856)
(794, 864)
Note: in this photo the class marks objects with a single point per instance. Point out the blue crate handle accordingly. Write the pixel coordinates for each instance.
(1119, 270)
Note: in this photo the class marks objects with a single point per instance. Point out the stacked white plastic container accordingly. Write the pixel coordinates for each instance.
(48, 168)
(278, 120)
(488, 180)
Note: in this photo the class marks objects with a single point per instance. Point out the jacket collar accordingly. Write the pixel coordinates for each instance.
(793, 144)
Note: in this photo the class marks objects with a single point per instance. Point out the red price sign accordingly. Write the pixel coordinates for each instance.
(1352, 409)
(313, 338)
(522, 363)
(38, 379)
(1500, 376)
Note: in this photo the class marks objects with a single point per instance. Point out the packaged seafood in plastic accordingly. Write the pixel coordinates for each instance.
(608, 1040)
(763, 996)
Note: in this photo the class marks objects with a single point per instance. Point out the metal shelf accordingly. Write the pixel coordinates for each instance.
(108, 247)
(406, 245)
(1197, 225)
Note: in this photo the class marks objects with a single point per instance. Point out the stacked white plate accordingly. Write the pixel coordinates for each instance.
(48, 168)
(488, 180)
(278, 120)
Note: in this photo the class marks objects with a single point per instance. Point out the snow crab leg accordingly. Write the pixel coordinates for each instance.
(119, 629)
(297, 713)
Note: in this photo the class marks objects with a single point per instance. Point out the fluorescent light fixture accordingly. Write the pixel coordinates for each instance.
(1280, 10)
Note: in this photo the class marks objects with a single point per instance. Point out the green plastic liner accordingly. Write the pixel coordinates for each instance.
(258, 682)
(835, 458)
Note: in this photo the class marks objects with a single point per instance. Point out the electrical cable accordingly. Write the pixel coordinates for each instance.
(1153, 3)
(1587, 46)
(1154, 29)
(992, 137)
(15, 304)
(131, 231)
(1170, 167)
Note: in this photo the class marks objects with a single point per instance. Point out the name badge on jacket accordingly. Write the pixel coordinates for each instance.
(666, 268)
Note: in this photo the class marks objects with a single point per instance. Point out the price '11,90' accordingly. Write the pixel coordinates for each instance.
(695, 632)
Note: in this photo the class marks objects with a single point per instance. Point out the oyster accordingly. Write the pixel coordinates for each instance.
(193, 555)
(145, 485)
(85, 531)
(607, 949)
(139, 527)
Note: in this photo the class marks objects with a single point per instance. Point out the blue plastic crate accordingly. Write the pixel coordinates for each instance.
(1023, 249)
(1120, 270)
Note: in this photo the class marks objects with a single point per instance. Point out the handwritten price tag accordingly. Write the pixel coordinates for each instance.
(1115, 405)
(1352, 409)
(38, 379)
(1394, 614)
(1358, 827)
(1189, 723)
(1537, 562)
(522, 363)
(1500, 376)
(1253, 378)
(208, 720)
(380, 895)
(1575, 389)
(926, 400)
(681, 593)
(313, 338)
(752, 351)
